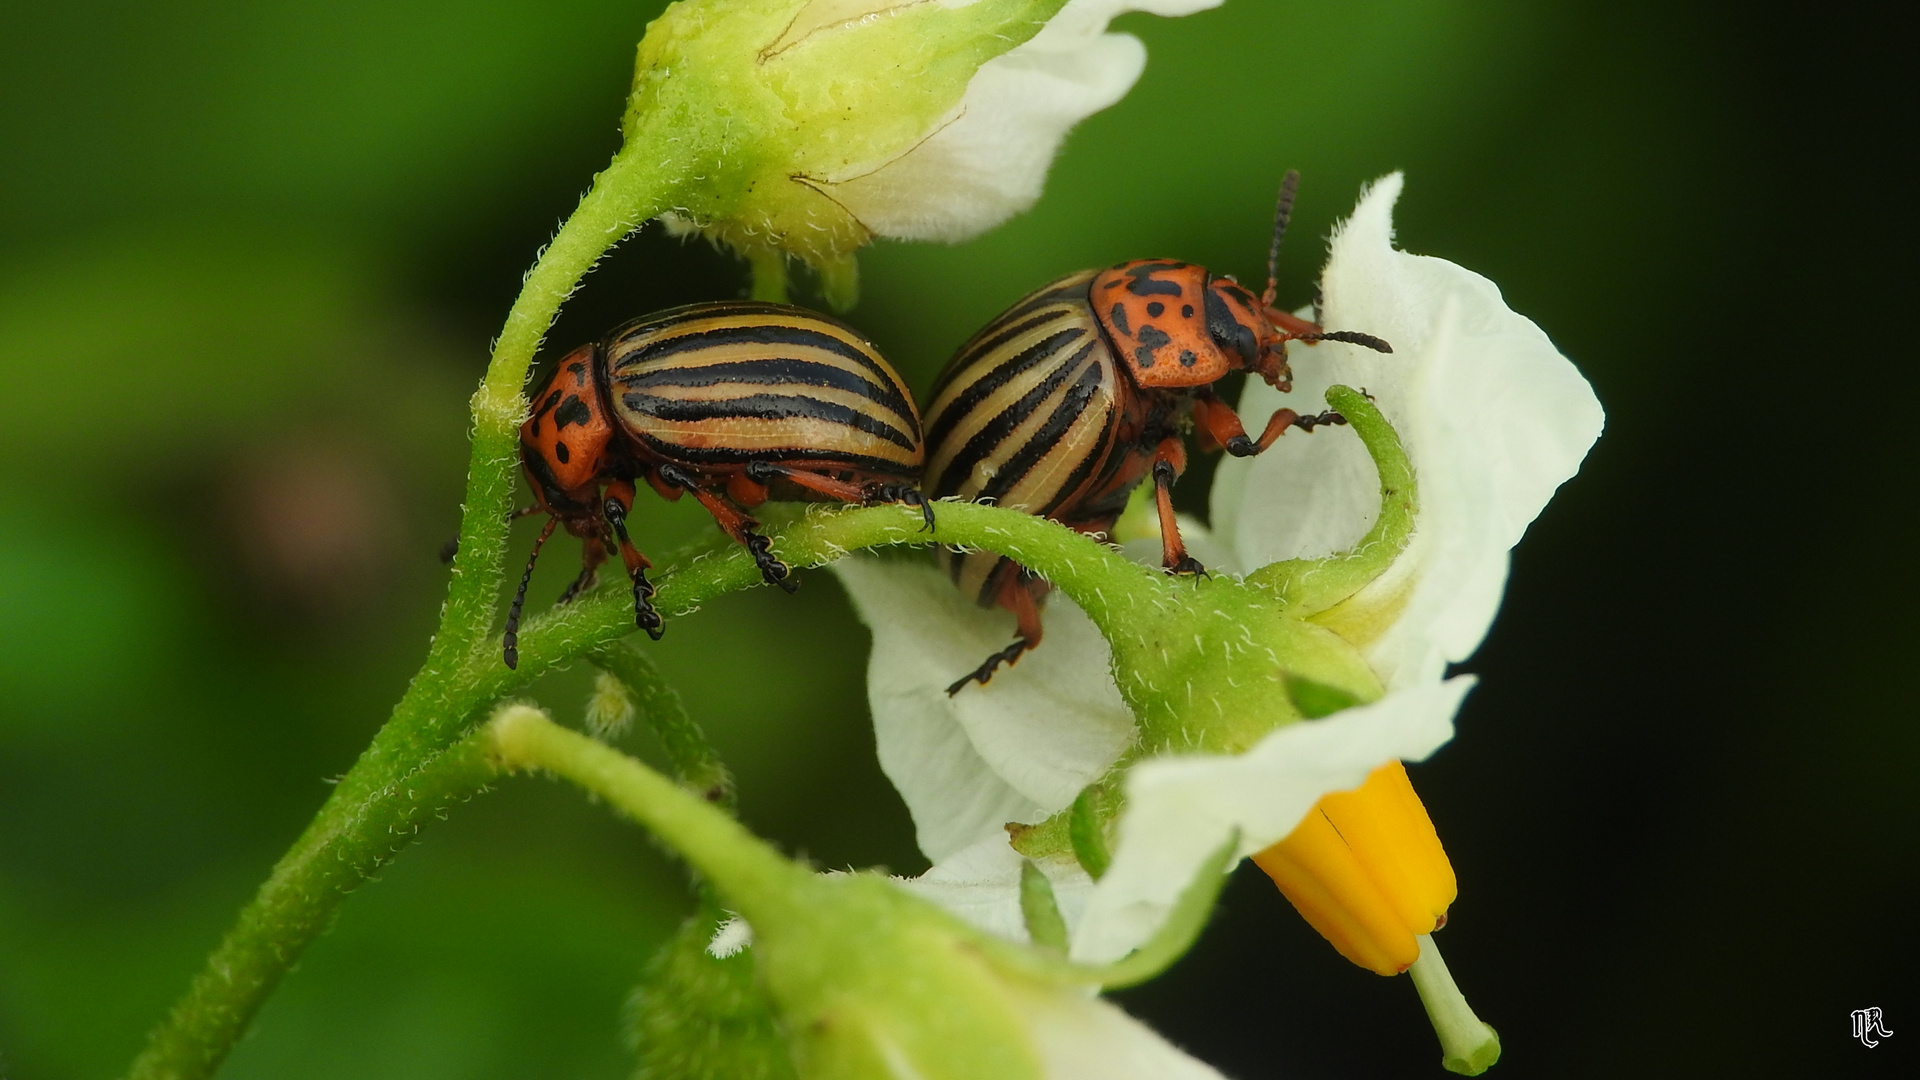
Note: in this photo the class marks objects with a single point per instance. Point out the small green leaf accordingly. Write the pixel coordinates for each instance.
(1317, 699)
(1087, 829)
(1182, 926)
(1044, 924)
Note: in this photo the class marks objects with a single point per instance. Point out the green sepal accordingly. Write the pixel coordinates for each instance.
(1317, 699)
(1041, 911)
(1087, 829)
(1310, 586)
(1169, 943)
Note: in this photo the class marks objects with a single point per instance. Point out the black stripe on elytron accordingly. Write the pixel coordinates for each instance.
(996, 377)
(663, 321)
(1072, 406)
(766, 407)
(772, 372)
(795, 336)
(1070, 290)
(995, 432)
(727, 455)
(991, 340)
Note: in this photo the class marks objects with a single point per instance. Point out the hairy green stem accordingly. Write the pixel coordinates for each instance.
(296, 904)
(1312, 585)
(378, 804)
(758, 881)
(695, 762)
(375, 809)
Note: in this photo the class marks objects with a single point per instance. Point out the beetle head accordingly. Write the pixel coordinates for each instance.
(563, 444)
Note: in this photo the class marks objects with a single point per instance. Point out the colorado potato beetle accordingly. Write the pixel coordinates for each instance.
(1063, 404)
(734, 403)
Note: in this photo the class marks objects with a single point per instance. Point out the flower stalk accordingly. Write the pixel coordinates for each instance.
(1468, 1045)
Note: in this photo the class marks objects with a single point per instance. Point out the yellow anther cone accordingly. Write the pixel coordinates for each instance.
(1366, 869)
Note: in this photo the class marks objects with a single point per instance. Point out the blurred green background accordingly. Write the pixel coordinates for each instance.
(251, 257)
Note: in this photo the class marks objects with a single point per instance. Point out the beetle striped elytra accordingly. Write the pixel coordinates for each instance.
(1070, 398)
(733, 402)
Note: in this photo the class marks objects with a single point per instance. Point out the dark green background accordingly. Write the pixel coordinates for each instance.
(251, 257)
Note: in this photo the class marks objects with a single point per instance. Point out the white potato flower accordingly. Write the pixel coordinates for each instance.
(1493, 419)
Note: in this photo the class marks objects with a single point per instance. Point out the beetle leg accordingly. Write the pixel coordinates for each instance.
(867, 494)
(1169, 461)
(593, 552)
(1017, 596)
(657, 480)
(745, 489)
(735, 523)
(619, 503)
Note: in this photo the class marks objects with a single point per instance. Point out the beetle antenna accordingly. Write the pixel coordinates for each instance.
(1351, 337)
(1282, 213)
(510, 641)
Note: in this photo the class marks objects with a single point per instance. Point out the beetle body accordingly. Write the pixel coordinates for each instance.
(1070, 398)
(734, 403)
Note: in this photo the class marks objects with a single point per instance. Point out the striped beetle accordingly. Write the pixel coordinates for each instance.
(1063, 404)
(733, 402)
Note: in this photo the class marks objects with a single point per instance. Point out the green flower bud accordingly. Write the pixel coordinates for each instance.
(808, 127)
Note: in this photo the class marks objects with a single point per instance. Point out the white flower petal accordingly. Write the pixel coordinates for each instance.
(1494, 418)
(988, 161)
(1019, 748)
(1085, 1038)
(1181, 809)
(981, 884)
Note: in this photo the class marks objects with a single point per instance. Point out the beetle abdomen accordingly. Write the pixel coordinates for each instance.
(1024, 416)
(723, 384)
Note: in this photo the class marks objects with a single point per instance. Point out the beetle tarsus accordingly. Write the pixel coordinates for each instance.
(1308, 423)
(644, 615)
(1188, 567)
(905, 495)
(771, 568)
(589, 577)
(985, 671)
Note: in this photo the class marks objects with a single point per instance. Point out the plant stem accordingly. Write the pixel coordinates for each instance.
(1314, 585)
(295, 905)
(376, 808)
(758, 881)
(391, 788)
(695, 762)
(1468, 1045)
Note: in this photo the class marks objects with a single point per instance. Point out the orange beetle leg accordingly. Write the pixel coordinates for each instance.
(618, 505)
(867, 494)
(1020, 596)
(1169, 461)
(735, 523)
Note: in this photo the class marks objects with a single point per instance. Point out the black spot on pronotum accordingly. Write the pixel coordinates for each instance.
(1140, 281)
(1156, 309)
(1186, 311)
(560, 451)
(1186, 360)
(1118, 313)
(579, 373)
(572, 411)
(1143, 356)
(1153, 337)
